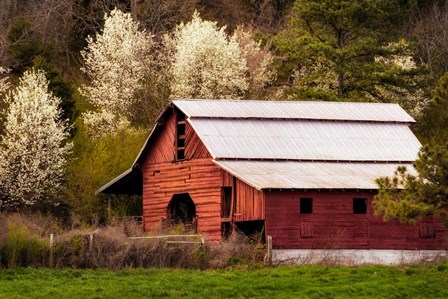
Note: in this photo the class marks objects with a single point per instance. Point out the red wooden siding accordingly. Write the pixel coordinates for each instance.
(333, 224)
(199, 178)
(162, 149)
(249, 201)
(196, 175)
(194, 148)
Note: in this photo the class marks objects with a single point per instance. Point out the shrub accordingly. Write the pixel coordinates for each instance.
(24, 241)
(23, 248)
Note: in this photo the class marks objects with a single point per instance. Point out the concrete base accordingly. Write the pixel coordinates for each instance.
(356, 256)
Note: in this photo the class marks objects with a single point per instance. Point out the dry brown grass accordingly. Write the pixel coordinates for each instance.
(24, 241)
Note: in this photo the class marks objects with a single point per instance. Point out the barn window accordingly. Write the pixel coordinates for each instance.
(306, 206)
(226, 193)
(180, 136)
(306, 230)
(359, 206)
(427, 230)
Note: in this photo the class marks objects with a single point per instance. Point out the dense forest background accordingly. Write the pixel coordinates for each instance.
(372, 50)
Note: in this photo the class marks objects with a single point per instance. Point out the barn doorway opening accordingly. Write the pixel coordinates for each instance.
(181, 209)
(251, 228)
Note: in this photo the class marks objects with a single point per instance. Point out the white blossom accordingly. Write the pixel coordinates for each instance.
(259, 60)
(206, 63)
(32, 152)
(116, 61)
(103, 123)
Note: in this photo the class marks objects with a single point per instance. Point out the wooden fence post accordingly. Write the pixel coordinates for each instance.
(268, 257)
(195, 225)
(91, 237)
(203, 251)
(161, 225)
(51, 249)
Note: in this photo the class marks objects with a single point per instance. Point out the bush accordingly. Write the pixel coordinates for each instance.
(24, 241)
(23, 248)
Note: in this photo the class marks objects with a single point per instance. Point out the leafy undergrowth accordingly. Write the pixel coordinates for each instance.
(263, 282)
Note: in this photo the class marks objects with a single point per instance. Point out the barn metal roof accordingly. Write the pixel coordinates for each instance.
(342, 139)
(342, 111)
(310, 175)
(129, 182)
(306, 140)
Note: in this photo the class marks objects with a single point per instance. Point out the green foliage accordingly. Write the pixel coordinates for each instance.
(331, 49)
(26, 50)
(427, 193)
(59, 87)
(279, 282)
(23, 248)
(432, 126)
(95, 162)
(24, 45)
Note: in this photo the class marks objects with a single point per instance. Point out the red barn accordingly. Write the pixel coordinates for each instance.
(303, 172)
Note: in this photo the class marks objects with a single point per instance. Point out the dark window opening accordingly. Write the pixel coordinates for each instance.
(180, 136)
(359, 206)
(226, 199)
(180, 130)
(181, 142)
(180, 154)
(180, 115)
(306, 206)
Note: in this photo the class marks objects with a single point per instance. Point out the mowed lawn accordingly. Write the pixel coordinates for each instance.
(264, 282)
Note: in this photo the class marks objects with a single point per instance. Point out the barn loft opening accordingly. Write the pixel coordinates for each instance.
(180, 135)
(181, 209)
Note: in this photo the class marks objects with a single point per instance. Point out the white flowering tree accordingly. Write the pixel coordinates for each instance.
(104, 122)
(206, 63)
(116, 61)
(259, 60)
(32, 149)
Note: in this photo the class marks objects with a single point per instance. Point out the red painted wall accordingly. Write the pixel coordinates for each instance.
(333, 224)
(249, 204)
(196, 175)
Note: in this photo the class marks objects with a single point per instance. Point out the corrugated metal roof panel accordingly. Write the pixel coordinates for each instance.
(294, 110)
(306, 140)
(310, 175)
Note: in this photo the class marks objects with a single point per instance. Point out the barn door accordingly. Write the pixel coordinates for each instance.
(181, 210)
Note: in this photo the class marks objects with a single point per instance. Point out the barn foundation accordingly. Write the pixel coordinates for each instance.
(356, 257)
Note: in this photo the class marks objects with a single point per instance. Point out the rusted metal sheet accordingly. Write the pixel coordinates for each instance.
(307, 140)
(309, 175)
(377, 112)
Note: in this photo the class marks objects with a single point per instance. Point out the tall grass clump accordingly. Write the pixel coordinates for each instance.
(24, 242)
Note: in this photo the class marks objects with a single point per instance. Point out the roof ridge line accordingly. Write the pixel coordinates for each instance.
(310, 160)
(201, 117)
(283, 101)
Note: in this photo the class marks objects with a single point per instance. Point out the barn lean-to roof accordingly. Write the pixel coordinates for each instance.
(298, 145)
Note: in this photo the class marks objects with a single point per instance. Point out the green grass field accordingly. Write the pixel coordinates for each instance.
(281, 282)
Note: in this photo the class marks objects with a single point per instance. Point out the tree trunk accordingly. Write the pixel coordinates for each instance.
(341, 85)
